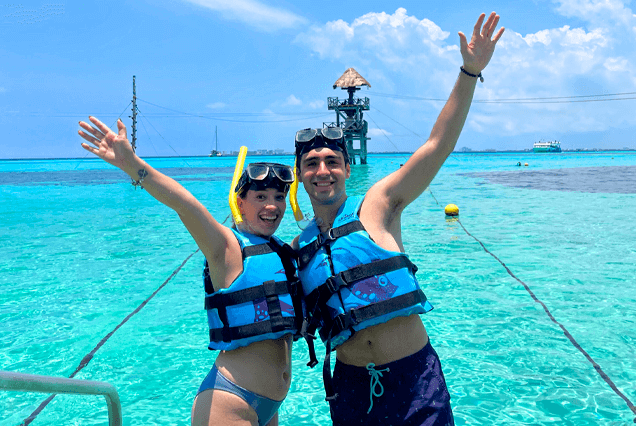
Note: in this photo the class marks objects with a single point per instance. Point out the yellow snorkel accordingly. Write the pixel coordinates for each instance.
(238, 170)
(301, 220)
(293, 198)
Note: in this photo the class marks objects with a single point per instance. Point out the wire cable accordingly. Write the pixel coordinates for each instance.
(552, 99)
(84, 362)
(386, 136)
(316, 115)
(163, 137)
(567, 334)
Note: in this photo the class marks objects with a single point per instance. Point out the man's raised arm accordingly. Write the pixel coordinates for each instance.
(403, 186)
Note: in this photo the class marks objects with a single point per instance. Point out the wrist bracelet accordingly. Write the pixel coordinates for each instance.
(481, 78)
(142, 174)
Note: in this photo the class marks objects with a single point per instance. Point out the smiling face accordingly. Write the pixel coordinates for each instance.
(323, 173)
(262, 211)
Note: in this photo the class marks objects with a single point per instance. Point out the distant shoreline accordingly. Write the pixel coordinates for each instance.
(291, 154)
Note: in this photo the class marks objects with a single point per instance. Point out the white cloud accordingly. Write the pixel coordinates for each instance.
(616, 64)
(415, 57)
(2, 90)
(375, 132)
(216, 105)
(394, 40)
(597, 11)
(317, 104)
(292, 100)
(253, 13)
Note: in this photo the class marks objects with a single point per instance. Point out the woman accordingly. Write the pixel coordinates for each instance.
(249, 279)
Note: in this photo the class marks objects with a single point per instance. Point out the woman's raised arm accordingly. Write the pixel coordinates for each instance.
(213, 239)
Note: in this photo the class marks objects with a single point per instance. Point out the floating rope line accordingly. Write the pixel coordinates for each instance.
(597, 367)
(90, 355)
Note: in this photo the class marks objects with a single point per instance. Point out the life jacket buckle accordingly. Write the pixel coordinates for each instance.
(325, 237)
(293, 288)
(353, 318)
(342, 322)
(335, 283)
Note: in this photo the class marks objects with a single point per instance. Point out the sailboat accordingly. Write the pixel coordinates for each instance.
(215, 152)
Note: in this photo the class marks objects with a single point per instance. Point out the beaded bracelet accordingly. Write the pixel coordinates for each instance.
(481, 78)
(142, 174)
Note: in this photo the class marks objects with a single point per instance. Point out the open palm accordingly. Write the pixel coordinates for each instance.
(478, 52)
(111, 147)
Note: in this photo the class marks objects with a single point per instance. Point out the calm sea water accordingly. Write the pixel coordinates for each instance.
(80, 249)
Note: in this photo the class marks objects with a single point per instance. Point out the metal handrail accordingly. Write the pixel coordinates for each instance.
(21, 382)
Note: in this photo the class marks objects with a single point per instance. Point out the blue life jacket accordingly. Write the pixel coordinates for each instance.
(263, 302)
(350, 283)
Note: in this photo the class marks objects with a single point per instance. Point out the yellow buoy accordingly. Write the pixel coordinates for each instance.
(451, 210)
(526, 164)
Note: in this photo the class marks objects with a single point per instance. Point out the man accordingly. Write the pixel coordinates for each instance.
(360, 288)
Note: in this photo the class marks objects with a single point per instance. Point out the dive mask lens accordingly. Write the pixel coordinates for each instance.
(284, 173)
(305, 135)
(332, 133)
(257, 171)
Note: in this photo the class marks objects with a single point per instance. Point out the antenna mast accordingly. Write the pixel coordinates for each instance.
(134, 117)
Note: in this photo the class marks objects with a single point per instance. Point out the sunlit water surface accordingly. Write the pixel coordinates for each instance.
(80, 249)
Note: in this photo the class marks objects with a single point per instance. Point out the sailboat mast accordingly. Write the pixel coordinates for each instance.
(216, 139)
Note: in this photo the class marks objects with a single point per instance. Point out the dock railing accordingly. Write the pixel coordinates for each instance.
(21, 382)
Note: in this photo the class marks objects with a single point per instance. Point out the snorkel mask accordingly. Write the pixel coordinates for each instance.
(257, 177)
(327, 137)
(261, 176)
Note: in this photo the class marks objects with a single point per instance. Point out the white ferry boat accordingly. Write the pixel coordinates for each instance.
(550, 146)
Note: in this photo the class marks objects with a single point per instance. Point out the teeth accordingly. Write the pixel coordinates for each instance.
(323, 183)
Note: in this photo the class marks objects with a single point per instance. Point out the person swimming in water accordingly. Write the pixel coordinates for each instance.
(250, 282)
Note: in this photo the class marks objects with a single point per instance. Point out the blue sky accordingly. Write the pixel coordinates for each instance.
(260, 70)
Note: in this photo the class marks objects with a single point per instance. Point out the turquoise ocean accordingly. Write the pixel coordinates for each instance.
(81, 249)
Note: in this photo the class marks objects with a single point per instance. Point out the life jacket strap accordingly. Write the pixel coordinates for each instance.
(274, 288)
(227, 334)
(289, 260)
(306, 253)
(356, 316)
(327, 378)
(256, 250)
(321, 294)
(308, 331)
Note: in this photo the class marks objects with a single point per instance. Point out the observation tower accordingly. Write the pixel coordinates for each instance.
(349, 114)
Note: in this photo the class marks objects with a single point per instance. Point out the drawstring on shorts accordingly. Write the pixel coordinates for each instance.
(375, 381)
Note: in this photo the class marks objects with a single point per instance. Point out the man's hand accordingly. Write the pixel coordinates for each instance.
(478, 52)
(111, 147)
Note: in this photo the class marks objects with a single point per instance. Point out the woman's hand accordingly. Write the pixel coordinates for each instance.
(111, 147)
(478, 52)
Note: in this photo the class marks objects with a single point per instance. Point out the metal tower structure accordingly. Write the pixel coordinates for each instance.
(134, 117)
(349, 114)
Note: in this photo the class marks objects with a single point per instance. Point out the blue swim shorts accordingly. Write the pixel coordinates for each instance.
(410, 391)
(265, 408)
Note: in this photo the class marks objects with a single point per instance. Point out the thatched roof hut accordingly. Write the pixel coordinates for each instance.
(350, 78)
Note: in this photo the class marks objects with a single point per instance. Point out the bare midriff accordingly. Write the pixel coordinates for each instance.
(384, 343)
(262, 367)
